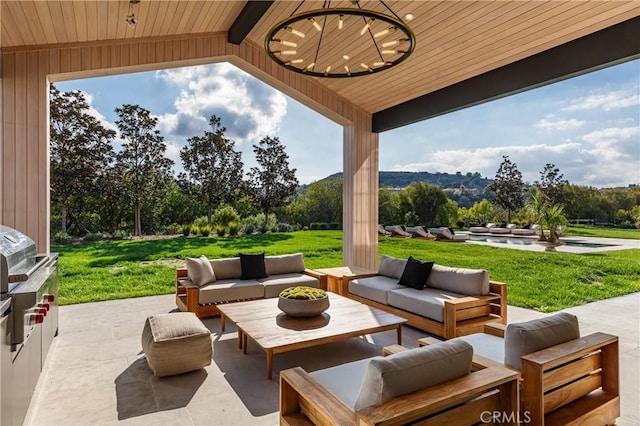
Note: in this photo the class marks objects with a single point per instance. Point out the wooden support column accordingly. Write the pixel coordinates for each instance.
(360, 193)
(25, 155)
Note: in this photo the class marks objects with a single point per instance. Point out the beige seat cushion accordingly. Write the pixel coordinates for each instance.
(230, 290)
(274, 284)
(374, 288)
(176, 343)
(531, 336)
(428, 302)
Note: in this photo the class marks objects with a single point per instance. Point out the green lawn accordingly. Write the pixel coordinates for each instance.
(591, 231)
(542, 281)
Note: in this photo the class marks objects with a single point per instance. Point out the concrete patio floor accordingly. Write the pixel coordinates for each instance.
(96, 373)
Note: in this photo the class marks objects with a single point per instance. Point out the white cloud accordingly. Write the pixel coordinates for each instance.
(559, 124)
(581, 163)
(249, 109)
(606, 101)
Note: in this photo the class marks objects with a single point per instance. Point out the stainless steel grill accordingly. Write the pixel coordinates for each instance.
(29, 296)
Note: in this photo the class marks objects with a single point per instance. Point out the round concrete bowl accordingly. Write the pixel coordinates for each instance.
(301, 308)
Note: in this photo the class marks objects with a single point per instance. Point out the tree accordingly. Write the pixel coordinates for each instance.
(508, 187)
(145, 168)
(323, 201)
(551, 184)
(213, 166)
(80, 150)
(481, 212)
(272, 182)
(425, 201)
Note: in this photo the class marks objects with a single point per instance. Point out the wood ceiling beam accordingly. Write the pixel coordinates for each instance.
(616, 44)
(246, 20)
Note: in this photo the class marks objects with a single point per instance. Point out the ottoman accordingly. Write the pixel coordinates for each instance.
(176, 343)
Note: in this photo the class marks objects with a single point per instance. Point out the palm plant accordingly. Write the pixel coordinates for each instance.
(553, 218)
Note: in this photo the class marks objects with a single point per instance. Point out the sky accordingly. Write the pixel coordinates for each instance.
(588, 126)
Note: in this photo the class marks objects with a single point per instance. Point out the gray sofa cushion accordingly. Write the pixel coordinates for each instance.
(374, 288)
(200, 271)
(486, 345)
(531, 336)
(230, 290)
(471, 282)
(413, 370)
(344, 380)
(391, 266)
(274, 284)
(427, 302)
(227, 268)
(284, 264)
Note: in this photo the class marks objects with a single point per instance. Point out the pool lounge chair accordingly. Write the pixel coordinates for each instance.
(445, 234)
(502, 230)
(397, 231)
(419, 232)
(382, 231)
(484, 229)
(526, 230)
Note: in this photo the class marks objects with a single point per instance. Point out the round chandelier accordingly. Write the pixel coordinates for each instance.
(340, 42)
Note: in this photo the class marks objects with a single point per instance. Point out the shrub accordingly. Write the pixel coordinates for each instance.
(224, 215)
(119, 234)
(233, 228)
(205, 230)
(305, 228)
(195, 230)
(62, 238)
(200, 222)
(221, 230)
(262, 228)
(173, 229)
(93, 236)
(248, 228)
(186, 229)
(283, 227)
(334, 226)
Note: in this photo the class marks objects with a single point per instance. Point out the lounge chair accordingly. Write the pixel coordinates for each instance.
(397, 231)
(483, 229)
(566, 379)
(506, 229)
(526, 230)
(419, 232)
(382, 231)
(445, 234)
(444, 384)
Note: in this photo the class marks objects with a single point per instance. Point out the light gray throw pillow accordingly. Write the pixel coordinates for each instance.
(200, 271)
(413, 370)
(531, 336)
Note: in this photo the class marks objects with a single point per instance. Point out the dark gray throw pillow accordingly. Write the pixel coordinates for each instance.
(415, 273)
(252, 266)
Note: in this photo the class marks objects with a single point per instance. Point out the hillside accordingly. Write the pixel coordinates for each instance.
(474, 182)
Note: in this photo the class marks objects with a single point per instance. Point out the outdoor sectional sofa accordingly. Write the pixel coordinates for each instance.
(453, 301)
(235, 280)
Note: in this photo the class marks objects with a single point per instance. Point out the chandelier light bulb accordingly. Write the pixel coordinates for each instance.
(340, 22)
(366, 67)
(346, 68)
(315, 24)
(285, 43)
(327, 70)
(285, 52)
(311, 65)
(345, 57)
(379, 64)
(366, 26)
(295, 32)
(384, 32)
(294, 61)
(391, 52)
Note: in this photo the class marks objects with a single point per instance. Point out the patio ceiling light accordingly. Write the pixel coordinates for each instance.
(340, 42)
(131, 19)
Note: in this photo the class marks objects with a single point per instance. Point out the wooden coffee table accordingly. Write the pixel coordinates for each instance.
(275, 332)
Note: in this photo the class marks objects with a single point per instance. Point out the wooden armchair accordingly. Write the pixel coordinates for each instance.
(470, 399)
(575, 382)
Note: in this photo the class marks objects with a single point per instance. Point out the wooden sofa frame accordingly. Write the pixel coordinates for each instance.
(483, 392)
(576, 382)
(187, 295)
(466, 315)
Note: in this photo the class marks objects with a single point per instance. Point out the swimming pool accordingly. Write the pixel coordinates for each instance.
(529, 241)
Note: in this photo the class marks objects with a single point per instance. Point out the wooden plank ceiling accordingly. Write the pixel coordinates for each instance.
(455, 40)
